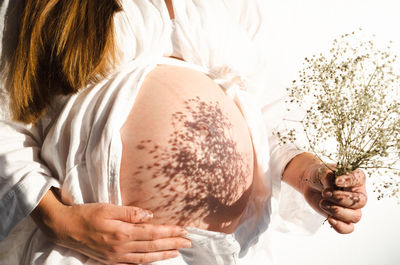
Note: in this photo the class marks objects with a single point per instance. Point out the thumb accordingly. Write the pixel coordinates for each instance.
(129, 214)
(327, 176)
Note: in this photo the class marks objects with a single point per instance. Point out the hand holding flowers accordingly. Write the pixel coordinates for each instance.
(339, 199)
(350, 100)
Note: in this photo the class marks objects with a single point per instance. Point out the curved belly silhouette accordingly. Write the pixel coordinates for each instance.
(187, 153)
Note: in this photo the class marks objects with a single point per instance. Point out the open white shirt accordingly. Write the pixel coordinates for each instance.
(77, 145)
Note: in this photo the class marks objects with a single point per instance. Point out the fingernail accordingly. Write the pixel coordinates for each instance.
(146, 215)
(183, 232)
(340, 181)
(187, 244)
(174, 254)
(333, 221)
(327, 194)
(325, 205)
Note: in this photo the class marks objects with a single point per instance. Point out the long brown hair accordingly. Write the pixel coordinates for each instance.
(63, 45)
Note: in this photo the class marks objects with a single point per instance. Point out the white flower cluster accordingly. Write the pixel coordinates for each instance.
(351, 97)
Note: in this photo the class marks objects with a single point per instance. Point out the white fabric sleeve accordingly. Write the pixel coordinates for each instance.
(24, 179)
(280, 156)
(291, 213)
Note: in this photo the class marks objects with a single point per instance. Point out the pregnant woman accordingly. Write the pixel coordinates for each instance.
(187, 153)
(144, 104)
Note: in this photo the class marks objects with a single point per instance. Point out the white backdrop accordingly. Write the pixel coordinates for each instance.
(299, 28)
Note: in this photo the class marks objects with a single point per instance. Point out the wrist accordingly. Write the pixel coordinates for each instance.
(49, 215)
(300, 171)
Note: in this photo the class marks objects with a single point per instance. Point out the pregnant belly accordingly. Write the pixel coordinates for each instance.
(187, 154)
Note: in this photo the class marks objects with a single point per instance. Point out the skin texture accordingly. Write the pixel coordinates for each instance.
(198, 150)
(118, 234)
(187, 153)
(340, 199)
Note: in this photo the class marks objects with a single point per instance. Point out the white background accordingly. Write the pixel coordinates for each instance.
(299, 28)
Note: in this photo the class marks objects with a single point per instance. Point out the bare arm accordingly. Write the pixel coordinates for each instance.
(295, 171)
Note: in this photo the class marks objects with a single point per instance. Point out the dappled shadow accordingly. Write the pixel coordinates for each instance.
(200, 169)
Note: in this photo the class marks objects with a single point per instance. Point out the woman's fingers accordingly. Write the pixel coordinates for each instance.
(340, 213)
(348, 199)
(138, 252)
(355, 178)
(340, 226)
(142, 244)
(327, 176)
(140, 258)
(153, 246)
(150, 232)
(127, 214)
(117, 234)
(342, 206)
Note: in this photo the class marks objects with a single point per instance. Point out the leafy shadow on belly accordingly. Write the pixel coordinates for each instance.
(200, 173)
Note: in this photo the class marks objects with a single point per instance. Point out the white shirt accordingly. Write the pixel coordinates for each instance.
(77, 145)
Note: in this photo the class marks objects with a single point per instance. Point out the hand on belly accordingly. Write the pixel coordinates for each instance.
(187, 154)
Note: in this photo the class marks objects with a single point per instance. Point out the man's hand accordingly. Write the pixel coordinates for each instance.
(108, 233)
(340, 199)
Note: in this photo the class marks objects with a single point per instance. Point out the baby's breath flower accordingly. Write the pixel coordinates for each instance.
(351, 97)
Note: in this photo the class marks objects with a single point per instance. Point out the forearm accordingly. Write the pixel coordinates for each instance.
(296, 172)
(46, 212)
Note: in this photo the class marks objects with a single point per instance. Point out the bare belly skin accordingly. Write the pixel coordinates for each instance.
(187, 153)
